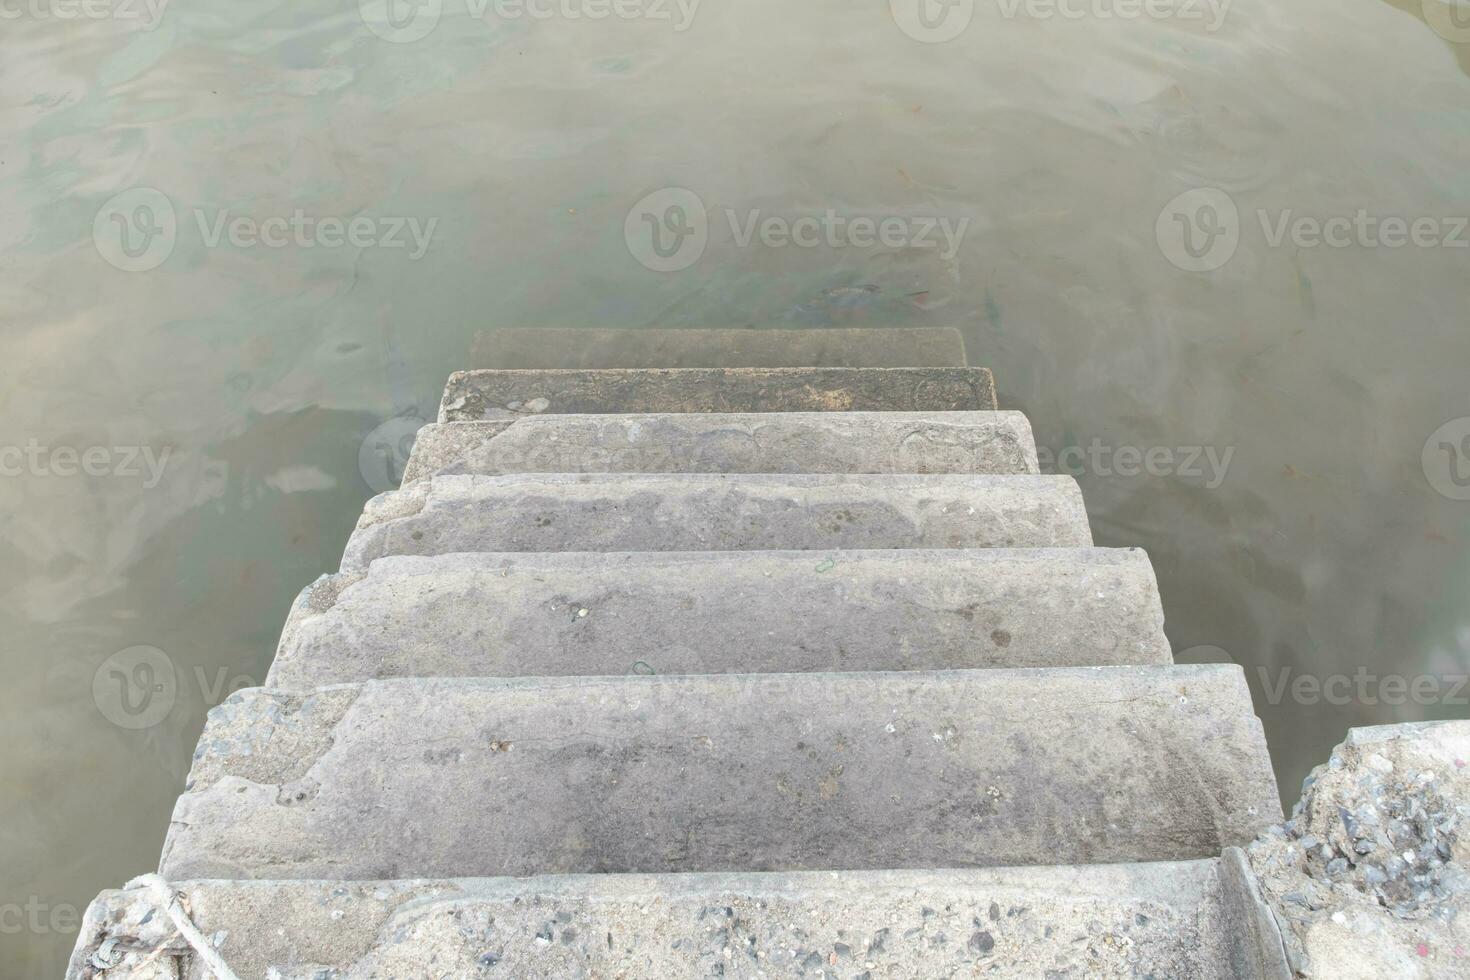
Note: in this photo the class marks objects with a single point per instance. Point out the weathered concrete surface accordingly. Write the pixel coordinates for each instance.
(474, 396)
(598, 348)
(1369, 877)
(437, 778)
(1177, 920)
(569, 614)
(712, 512)
(796, 442)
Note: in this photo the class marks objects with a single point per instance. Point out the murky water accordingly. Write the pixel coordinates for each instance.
(319, 210)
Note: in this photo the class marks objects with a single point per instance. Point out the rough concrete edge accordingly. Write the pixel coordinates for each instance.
(1361, 740)
(438, 446)
(366, 540)
(317, 599)
(1252, 933)
(413, 896)
(441, 447)
(458, 387)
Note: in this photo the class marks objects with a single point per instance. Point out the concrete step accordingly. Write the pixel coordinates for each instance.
(475, 396)
(754, 772)
(718, 512)
(569, 614)
(598, 348)
(1201, 920)
(796, 442)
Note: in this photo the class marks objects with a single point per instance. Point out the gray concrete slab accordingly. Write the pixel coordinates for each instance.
(753, 772)
(1167, 919)
(771, 442)
(575, 613)
(475, 396)
(718, 512)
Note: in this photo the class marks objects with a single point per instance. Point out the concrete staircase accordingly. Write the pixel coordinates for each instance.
(690, 669)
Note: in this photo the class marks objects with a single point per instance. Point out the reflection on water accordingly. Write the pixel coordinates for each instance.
(241, 315)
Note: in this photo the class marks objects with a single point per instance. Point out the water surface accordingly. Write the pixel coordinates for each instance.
(1315, 374)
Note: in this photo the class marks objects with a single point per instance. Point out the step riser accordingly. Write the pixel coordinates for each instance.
(957, 442)
(748, 612)
(622, 512)
(753, 772)
(1164, 920)
(601, 348)
(475, 396)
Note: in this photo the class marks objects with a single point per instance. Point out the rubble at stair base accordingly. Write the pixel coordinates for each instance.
(1369, 877)
(1196, 920)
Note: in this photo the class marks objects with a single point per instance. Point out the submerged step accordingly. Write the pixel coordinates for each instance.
(569, 614)
(600, 347)
(473, 396)
(796, 442)
(718, 512)
(1198, 919)
(767, 772)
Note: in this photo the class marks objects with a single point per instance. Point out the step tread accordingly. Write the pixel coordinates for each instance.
(1195, 919)
(797, 442)
(718, 512)
(575, 613)
(523, 348)
(474, 396)
(725, 772)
